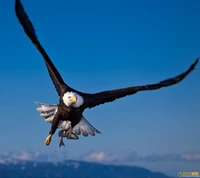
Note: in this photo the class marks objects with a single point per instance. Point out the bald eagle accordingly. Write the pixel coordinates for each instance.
(72, 103)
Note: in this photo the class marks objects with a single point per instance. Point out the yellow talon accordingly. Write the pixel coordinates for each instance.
(48, 140)
(69, 133)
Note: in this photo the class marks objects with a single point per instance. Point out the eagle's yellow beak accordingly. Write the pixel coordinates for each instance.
(73, 99)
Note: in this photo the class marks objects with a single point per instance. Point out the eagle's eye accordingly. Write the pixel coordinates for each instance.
(69, 97)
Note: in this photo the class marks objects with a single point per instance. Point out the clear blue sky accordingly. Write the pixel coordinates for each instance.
(101, 45)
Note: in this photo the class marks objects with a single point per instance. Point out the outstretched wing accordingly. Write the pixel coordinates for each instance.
(93, 100)
(30, 32)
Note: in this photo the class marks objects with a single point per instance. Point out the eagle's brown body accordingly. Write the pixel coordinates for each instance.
(71, 113)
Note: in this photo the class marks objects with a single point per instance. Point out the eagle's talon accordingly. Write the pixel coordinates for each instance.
(48, 140)
(69, 133)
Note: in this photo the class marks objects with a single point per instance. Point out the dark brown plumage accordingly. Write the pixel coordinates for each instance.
(74, 113)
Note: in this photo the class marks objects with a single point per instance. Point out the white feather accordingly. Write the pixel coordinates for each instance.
(85, 128)
(78, 102)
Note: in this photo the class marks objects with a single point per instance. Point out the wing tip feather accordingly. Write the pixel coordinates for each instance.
(195, 63)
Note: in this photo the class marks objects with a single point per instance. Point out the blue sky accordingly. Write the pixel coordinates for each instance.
(101, 45)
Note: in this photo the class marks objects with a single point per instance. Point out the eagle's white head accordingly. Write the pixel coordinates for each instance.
(72, 99)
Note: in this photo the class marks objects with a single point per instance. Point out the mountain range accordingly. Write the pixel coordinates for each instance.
(70, 168)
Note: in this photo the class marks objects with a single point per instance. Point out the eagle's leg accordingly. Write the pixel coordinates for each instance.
(54, 126)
